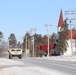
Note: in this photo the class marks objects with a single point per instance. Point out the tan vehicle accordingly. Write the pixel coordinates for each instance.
(15, 52)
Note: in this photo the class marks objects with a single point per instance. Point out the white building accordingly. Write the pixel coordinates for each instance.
(71, 49)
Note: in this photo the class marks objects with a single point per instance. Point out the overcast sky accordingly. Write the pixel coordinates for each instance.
(19, 16)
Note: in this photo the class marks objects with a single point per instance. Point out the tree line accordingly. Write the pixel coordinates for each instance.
(61, 42)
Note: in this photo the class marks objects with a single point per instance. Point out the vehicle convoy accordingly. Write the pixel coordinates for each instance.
(15, 52)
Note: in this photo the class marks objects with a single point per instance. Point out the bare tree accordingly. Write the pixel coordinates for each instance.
(2, 46)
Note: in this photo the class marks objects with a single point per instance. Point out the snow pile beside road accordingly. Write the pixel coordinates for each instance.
(20, 70)
(28, 71)
(4, 61)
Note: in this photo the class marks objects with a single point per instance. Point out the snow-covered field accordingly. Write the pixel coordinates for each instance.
(12, 67)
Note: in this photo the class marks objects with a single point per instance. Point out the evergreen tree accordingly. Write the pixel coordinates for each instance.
(18, 45)
(12, 41)
(53, 39)
(62, 40)
(26, 41)
(37, 40)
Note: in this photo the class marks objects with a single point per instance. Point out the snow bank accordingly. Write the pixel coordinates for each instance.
(20, 70)
(4, 61)
(28, 71)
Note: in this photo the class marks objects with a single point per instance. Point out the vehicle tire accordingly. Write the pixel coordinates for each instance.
(20, 56)
(10, 56)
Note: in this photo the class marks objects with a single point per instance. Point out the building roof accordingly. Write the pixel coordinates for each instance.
(51, 46)
(73, 34)
(61, 22)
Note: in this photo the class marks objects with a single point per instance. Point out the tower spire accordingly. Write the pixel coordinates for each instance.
(60, 23)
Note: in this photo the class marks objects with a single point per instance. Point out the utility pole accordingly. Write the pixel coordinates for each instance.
(48, 34)
(70, 12)
(75, 41)
(33, 30)
(26, 45)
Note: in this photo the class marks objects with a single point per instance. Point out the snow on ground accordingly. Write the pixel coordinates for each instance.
(26, 70)
(61, 58)
(4, 61)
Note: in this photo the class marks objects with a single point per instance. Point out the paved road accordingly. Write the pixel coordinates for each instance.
(62, 66)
